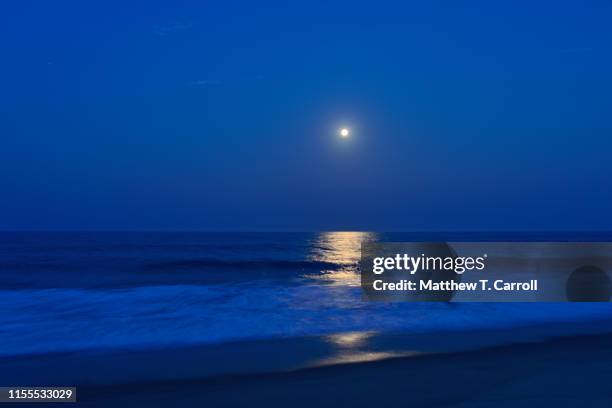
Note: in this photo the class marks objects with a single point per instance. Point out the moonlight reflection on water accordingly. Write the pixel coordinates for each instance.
(342, 249)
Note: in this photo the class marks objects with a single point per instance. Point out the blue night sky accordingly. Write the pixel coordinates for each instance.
(475, 115)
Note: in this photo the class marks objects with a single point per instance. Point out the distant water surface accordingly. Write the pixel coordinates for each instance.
(98, 291)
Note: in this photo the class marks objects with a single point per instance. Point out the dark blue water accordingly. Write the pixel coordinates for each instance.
(75, 291)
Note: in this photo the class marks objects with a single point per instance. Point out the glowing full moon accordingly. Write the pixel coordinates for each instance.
(344, 132)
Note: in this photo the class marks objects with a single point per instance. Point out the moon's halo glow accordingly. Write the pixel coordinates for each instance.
(344, 132)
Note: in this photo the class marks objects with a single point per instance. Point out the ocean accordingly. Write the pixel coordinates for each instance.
(70, 292)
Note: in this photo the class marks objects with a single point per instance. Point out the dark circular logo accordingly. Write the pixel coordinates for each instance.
(588, 284)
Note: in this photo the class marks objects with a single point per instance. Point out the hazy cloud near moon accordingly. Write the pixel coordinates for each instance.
(171, 28)
(210, 82)
(205, 82)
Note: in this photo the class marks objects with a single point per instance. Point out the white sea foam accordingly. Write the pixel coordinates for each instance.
(49, 320)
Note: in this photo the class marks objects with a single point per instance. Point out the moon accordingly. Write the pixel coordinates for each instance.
(344, 132)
